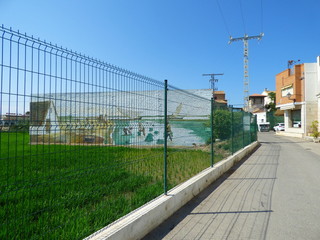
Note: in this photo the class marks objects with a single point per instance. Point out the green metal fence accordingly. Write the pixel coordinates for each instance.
(83, 142)
(274, 119)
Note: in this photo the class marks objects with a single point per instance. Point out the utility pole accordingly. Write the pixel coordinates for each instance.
(212, 80)
(246, 65)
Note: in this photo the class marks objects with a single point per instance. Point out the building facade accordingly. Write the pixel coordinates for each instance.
(257, 105)
(297, 94)
(220, 99)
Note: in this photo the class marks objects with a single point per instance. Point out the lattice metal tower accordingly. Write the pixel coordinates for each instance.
(212, 81)
(246, 65)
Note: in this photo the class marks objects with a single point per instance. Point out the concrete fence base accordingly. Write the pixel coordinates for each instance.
(140, 222)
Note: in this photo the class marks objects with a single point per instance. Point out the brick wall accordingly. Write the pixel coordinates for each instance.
(289, 77)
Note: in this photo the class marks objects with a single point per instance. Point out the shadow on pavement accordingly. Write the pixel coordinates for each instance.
(163, 229)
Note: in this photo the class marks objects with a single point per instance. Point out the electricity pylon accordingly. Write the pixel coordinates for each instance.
(246, 65)
(212, 80)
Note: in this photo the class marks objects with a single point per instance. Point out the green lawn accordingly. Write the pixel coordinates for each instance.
(69, 192)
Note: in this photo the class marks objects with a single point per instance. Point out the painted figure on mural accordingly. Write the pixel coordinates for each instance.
(169, 131)
(127, 130)
(141, 129)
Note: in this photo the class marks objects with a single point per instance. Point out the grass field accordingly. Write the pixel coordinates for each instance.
(69, 192)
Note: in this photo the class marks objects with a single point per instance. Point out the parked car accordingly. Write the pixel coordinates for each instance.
(297, 124)
(263, 127)
(279, 127)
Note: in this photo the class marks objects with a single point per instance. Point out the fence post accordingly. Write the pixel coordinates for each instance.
(250, 125)
(165, 154)
(232, 133)
(256, 127)
(212, 131)
(243, 143)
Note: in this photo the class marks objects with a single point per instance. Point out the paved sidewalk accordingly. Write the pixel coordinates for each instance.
(274, 194)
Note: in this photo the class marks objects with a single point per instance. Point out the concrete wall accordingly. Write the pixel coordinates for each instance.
(311, 114)
(318, 70)
(140, 222)
(287, 119)
(318, 94)
(303, 119)
(115, 104)
(311, 82)
(311, 91)
(319, 109)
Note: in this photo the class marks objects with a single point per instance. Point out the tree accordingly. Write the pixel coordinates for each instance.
(222, 124)
(271, 107)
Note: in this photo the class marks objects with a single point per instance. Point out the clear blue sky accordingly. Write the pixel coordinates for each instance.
(178, 40)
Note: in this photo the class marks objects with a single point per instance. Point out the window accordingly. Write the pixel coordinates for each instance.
(296, 118)
(257, 101)
(286, 90)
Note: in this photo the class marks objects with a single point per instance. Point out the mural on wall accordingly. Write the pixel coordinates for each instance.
(47, 127)
(58, 122)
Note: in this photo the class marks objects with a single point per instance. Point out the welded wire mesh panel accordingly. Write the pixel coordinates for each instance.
(189, 133)
(222, 131)
(247, 128)
(81, 141)
(238, 130)
(273, 119)
(253, 128)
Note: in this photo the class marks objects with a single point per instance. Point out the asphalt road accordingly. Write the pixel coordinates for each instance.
(274, 194)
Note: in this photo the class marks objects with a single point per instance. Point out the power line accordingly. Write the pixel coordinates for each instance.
(244, 24)
(261, 16)
(246, 48)
(223, 19)
(242, 17)
(246, 65)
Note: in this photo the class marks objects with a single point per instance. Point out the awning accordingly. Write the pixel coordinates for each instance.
(288, 106)
(279, 112)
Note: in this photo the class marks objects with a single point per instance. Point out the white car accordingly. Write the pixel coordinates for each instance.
(297, 124)
(279, 127)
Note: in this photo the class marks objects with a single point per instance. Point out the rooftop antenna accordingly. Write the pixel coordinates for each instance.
(246, 65)
(292, 62)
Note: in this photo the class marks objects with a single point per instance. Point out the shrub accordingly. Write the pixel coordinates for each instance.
(222, 124)
(314, 129)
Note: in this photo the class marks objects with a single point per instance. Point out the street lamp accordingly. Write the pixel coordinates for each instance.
(289, 96)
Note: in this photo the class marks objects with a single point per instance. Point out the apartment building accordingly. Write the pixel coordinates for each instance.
(298, 95)
(220, 99)
(257, 105)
